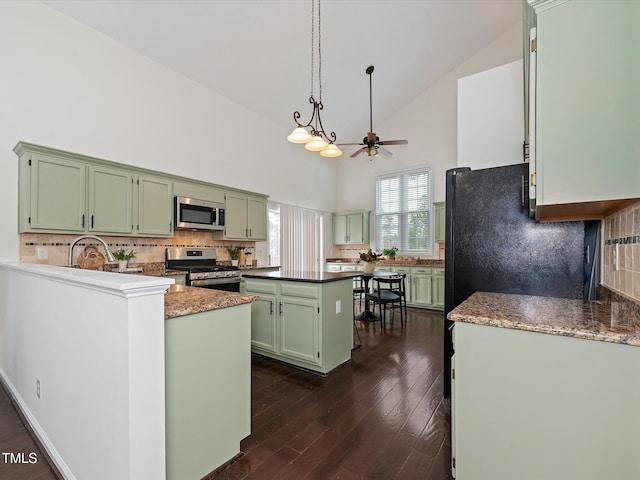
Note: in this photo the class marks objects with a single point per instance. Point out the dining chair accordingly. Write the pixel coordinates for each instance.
(388, 290)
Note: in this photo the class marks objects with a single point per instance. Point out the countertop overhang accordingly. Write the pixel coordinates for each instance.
(181, 300)
(303, 276)
(591, 320)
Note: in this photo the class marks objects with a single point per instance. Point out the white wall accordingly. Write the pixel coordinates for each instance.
(490, 117)
(67, 86)
(429, 123)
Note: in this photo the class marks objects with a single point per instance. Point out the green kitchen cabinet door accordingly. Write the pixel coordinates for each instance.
(235, 216)
(439, 224)
(58, 194)
(438, 288)
(263, 324)
(350, 227)
(245, 217)
(155, 212)
(256, 218)
(299, 329)
(421, 287)
(110, 200)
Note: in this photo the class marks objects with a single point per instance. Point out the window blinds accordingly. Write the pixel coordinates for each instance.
(403, 211)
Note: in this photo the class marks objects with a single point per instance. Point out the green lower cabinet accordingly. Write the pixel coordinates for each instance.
(180, 279)
(263, 324)
(299, 329)
(308, 325)
(421, 287)
(208, 390)
(438, 288)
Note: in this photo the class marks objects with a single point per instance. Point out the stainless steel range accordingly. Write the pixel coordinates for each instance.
(203, 270)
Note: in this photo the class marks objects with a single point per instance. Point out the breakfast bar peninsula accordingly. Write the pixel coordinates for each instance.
(303, 318)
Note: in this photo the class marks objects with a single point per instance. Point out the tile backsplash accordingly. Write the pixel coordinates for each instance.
(622, 228)
(147, 249)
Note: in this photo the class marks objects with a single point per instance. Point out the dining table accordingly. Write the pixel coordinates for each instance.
(367, 315)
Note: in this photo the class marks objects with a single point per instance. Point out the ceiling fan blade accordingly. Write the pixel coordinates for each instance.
(394, 142)
(358, 152)
(340, 144)
(385, 152)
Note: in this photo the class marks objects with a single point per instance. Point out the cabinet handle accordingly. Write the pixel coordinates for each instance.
(280, 312)
(83, 220)
(250, 234)
(270, 307)
(170, 226)
(91, 221)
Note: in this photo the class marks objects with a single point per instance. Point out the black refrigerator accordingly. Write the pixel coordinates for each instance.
(492, 245)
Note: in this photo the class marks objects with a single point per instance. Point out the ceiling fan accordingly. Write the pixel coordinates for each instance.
(372, 143)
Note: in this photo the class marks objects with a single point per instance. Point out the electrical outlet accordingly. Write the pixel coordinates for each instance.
(338, 306)
(42, 253)
(38, 391)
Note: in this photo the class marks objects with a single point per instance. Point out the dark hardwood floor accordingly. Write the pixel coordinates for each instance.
(380, 416)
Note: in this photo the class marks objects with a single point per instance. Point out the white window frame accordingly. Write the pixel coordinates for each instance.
(403, 212)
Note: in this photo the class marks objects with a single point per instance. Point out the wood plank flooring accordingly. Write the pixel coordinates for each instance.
(380, 416)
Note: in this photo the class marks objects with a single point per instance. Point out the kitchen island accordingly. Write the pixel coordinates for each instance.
(545, 388)
(208, 378)
(302, 318)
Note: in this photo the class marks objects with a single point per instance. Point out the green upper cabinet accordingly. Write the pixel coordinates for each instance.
(155, 211)
(245, 217)
(351, 227)
(64, 192)
(585, 138)
(110, 202)
(440, 223)
(53, 194)
(257, 218)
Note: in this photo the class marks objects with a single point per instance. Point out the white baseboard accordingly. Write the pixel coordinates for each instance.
(53, 453)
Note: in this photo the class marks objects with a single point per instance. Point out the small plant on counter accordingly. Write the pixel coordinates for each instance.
(390, 252)
(122, 254)
(234, 253)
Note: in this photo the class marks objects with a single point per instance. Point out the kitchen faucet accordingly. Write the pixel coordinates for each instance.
(82, 237)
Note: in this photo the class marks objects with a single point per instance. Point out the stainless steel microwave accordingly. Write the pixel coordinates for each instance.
(194, 214)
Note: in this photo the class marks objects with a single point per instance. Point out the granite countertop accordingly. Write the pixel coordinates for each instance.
(608, 321)
(180, 300)
(304, 276)
(421, 262)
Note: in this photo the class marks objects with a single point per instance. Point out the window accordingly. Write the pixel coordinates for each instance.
(403, 211)
(273, 239)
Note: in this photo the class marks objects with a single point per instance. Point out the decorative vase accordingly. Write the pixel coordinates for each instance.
(235, 262)
(122, 264)
(369, 267)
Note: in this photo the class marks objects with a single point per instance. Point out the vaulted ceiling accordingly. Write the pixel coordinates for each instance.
(258, 52)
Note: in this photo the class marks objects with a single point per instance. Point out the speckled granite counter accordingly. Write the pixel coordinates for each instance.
(603, 321)
(303, 276)
(180, 300)
(423, 262)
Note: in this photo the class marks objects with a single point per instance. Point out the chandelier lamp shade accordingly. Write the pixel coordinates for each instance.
(312, 134)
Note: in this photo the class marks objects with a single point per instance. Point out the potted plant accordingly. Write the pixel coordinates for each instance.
(123, 257)
(234, 255)
(390, 253)
(369, 258)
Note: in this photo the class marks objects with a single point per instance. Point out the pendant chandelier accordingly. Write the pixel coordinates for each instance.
(315, 139)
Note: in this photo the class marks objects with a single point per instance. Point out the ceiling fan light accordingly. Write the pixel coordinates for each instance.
(316, 144)
(331, 151)
(299, 135)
